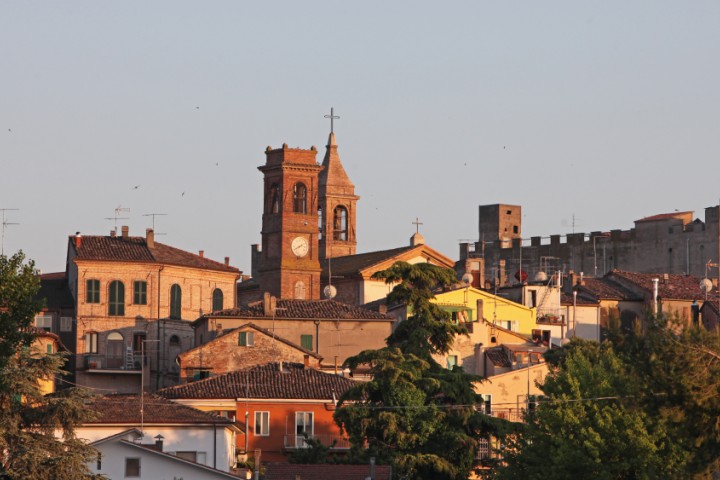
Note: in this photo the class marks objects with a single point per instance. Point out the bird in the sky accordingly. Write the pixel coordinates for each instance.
(136, 187)
(183, 194)
(197, 108)
(10, 130)
(217, 164)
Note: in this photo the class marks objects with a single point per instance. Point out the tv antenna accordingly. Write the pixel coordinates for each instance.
(153, 215)
(5, 224)
(118, 212)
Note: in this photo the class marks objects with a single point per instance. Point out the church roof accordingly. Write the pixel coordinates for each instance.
(334, 175)
(136, 249)
(303, 309)
(269, 381)
(370, 262)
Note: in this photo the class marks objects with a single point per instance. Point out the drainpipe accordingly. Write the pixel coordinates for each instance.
(157, 365)
(575, 311)
(214, 445)
(655, 296)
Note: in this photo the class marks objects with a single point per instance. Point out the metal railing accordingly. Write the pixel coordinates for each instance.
(333, 441)
(94, 361)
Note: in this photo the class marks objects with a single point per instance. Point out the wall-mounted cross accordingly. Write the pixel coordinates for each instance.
(417, 224)
(332, 117)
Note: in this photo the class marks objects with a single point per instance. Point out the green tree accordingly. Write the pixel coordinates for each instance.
(415, 414)
(29, 420)
(644, 405)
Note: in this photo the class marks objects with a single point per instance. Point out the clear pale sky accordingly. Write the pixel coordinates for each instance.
(604, 111)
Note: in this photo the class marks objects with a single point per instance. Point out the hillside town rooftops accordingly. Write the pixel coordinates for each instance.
(304, 309)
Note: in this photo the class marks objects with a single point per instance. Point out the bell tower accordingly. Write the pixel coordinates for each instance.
(337, 205)
(289, 264)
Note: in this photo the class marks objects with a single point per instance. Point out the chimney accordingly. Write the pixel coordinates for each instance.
(113, 233)
(201, 253)
(125, 231)
(655, 282)
(159, 442)
(306, 360)
(227, 261)
(266, 304)
(78, 239)
(382, 309)
(150, 238)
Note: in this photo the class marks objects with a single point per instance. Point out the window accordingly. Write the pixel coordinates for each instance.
(274, 196)
(115, 350)
(306, 341)
(116, 299)
(246, 339)
(174, 341)
(44, 322)
(92, 291)
(217, 303)
(340, 223)
(99, 461)
(91, 342)
(452, 361)
(137, 345)
(139, 292)
(300, 291)
(299, 198)
(197, 457)
(303, 427)
(321, 227)
(132, 467)
(515, 229)
(262, 423)
(50, 349)
(486, 405)
(175, 301)
(66, 324)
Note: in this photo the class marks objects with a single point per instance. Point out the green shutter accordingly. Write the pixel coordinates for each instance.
(306, 341)
(242, 339)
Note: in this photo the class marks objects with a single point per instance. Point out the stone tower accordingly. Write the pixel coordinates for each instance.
(338, 201)
(289, 263)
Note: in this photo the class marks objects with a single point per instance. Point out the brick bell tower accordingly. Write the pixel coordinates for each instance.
(337, 206)
(290, 258)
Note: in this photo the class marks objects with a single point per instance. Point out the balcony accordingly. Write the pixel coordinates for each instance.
(550, 319)
(92, 362)
(298, 441)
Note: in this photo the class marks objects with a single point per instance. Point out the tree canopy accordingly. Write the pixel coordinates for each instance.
(642, 405)
(415, 414)
(29, 420)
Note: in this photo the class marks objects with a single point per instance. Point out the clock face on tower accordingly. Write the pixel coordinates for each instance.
(300, 246)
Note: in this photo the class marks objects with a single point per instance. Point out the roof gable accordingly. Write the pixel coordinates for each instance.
(366, 264)
(125, 409)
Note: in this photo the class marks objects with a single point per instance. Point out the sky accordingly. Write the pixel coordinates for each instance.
(589, 115)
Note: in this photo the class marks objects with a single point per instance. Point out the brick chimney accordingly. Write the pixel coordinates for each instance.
(150, 238)
(125, 231)
(78, 239)
(227, 261)
(201, 253)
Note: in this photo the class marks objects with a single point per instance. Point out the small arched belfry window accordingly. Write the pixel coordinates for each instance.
(175, 301)
(340, 223)
(300, 198)
(217, 303)
(300, 291)
(116, 298)
(274, 206)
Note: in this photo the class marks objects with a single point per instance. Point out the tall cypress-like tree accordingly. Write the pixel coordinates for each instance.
(30, 420)
(415, 414)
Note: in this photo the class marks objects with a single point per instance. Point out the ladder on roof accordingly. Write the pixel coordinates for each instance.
(129, 359)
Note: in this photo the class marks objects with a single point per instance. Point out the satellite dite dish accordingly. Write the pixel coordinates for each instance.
(541, 277)
(330, 292)
(706, 285)
(467, 279)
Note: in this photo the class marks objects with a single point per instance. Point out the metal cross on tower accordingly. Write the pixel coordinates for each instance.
(5, 224)
(332, 117)
(417, 224)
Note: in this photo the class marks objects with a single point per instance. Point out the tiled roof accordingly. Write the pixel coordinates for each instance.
(125, 409)
(605, 288)
(55, 290)
(353, 264)
(135, 249)
(292, 471)
(664, 216)
(674, 287)
(290, 309)
(582, 299)
(499, 356)
(267, 381)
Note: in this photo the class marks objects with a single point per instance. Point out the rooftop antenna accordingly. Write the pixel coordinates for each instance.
(118, 211)
(5, 224)
(153, 215)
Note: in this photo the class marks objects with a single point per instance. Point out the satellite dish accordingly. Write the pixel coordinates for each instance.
(706, 285)
(541, 277)
(330, 292)
(467, 278)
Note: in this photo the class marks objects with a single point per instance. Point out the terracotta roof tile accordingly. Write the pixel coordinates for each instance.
(291, 309)
(265, 382)
(604, 288)
(125, 409)
(499, 356)
(670, 287)
(352, 264)
(135, 249)
(291, 471)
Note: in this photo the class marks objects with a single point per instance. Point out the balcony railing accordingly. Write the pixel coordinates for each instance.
(93, 361)
(298, 441)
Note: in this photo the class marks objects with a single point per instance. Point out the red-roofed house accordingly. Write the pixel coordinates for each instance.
(280, 402)
(133, 292)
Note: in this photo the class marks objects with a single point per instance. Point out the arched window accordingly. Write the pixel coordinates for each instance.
(217, 300)
(320, 224)
(174, 341)
(340, 223)
(300, 291)
(115, 350)
(299, 198)
(116, 298)
(175, 301)
(274, 199)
